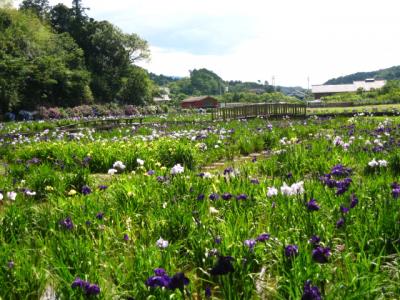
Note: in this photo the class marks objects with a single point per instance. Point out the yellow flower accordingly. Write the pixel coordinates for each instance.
(72, 192)
(49, 188)
(213, 210)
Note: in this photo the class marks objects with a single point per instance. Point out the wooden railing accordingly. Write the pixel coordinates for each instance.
(259, 110)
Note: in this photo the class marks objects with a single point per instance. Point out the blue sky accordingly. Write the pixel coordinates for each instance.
(255, 40)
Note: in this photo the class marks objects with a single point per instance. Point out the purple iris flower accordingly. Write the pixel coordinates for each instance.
(340, 170)
(226, 196)
(241, 197)
(315, 239)
(223, 266)
(344, 209)
(228, 170)
(86, 190)
(312, 205)
(214, 196)
(92, 290)
(217, 240)
(151, 172)
(291, 250)
(311, 292)
(100, 215)
(321, 254)
(340, 223)
(178, 281)
(250, 244)
(353, 201)
(263, 237)
(67, 223)
(395, 190)
(207, 292)
(78, 283)
(102, 187)
(200, 197)
(89, 289)
(126, 237)
(161, 279)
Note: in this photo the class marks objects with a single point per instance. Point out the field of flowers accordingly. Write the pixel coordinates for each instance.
(134, 213)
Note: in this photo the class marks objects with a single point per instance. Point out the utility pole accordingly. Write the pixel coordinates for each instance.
(273, 82)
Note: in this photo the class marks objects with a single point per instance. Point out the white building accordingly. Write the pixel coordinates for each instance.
(164, 96)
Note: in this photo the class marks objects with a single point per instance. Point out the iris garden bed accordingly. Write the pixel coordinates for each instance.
(318, 218)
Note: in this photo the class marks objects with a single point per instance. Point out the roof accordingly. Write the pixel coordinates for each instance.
(366, 85)
(196, 99)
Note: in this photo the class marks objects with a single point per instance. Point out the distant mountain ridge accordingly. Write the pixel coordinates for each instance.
(392, 73)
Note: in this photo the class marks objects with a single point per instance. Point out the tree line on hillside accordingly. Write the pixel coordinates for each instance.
(58, 56)
(390, 93)
(392, 73)
(205, 82)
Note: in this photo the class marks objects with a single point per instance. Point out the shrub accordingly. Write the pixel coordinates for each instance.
(130, 110)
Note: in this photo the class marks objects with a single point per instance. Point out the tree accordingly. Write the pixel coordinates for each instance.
(37, 66)
(137, 48)
(137, 88)
(61, 18)
(206, 82)
(39, 7)
(78, 9)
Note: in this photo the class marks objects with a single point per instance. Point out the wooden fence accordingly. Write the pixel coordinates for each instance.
(259, 110)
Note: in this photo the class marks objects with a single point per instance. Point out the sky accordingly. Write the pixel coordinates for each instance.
(252, 40)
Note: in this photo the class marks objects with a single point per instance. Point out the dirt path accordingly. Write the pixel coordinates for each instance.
(223, 164)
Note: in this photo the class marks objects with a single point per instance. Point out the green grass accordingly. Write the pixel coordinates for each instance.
(350, 109)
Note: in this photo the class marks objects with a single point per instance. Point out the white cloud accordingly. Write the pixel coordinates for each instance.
(256, 39)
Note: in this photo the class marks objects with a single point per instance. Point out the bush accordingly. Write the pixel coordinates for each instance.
(25, 115)
(54, 113)
(130, 110)
(9, 116)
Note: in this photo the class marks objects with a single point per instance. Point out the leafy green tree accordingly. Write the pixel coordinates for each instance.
(206, 82)
(61, 18)
(137, 48)
(39, 7)
(137, 88)
(37, 66)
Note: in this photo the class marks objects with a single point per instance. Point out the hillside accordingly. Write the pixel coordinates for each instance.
(206, 82)
(392, 73)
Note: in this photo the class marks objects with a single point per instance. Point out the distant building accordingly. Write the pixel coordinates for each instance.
(200, 102)
(327, 90)
(163, 97)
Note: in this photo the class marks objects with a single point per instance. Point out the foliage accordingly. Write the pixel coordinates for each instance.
(37, 66)
(39, 7)
(247, 97)
(137, 88)
(392, 73)
(225, 229)
(390, 93)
